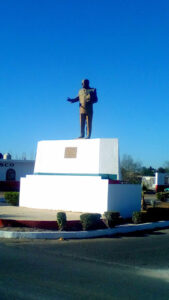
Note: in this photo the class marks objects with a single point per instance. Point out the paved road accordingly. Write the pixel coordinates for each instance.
(132, 268)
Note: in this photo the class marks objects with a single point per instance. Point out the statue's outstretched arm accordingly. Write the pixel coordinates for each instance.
(73, 100)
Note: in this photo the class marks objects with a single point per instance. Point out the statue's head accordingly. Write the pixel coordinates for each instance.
(85, 83)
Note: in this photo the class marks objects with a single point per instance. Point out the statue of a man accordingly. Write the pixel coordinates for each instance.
(87, 96)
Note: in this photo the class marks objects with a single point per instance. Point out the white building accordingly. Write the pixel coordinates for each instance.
(11, 170)
(149, 182)
(161, 181)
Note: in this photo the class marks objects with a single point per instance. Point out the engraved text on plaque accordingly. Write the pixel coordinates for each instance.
(70, 152)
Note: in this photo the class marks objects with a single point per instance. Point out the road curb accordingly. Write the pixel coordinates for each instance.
(122, 229)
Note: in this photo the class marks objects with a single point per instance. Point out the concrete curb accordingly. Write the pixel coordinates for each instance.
(122, 229)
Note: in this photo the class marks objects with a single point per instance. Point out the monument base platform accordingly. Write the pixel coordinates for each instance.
(79, 194)
(76, 175)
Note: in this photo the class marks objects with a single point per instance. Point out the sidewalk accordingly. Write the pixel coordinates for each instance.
(109, 232)
(24, 213)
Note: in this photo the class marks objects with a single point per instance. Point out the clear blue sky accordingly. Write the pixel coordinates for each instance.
(48, 46)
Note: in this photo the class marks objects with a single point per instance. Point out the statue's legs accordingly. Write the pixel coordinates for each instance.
(82, 125)
(89, 118)
(86, 119)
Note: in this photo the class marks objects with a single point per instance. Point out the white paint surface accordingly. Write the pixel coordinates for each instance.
(79, 194)
(161, 178)
(124, 198)
(21, 167)
(48, 189)
(94, 156)
(69, 193)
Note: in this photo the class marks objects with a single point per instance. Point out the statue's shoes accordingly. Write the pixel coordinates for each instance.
(81, 137)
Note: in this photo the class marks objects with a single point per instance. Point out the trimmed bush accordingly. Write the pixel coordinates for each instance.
(144, 188)
(153, 203)
(12, 198)
(139, 217)
(153, 214)
(61, 220)
(158, 214)
(90, 221)
(162, 196)
(111, 218)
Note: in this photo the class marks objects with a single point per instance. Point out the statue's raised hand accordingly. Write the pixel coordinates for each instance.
(69, 100)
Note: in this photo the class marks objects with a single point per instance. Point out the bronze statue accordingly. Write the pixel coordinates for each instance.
(87, 96)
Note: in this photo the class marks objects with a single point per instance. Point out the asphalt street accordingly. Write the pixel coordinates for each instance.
(130, 267)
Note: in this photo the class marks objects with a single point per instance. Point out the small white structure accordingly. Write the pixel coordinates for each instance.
(7, 156)
(161, 181)
(149, 182)
(13, 169)
(78, 175)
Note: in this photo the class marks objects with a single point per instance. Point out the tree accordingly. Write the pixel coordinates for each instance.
(166, 166)
(161, 170)
(148, 171)
(130, 169)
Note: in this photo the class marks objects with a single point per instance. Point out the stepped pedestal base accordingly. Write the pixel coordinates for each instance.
(79, 193)
(76, 175)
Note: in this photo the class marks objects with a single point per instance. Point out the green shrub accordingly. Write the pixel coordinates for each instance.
(144, 188)
(12, 198)
(153, 214)
(143, 204)
(153, 203)
(158, 214)
(162, 196)
(61, 220)
(90, 221)
(139, 217)
(111, 218)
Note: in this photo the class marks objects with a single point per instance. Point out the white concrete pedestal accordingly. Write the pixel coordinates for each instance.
(76, 175)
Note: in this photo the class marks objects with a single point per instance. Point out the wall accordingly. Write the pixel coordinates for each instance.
(95, 156)
(69, 193)
(124, 198)
(160, 178)
(21, 167)
(79, 193)
(149, 182)
(161, 181)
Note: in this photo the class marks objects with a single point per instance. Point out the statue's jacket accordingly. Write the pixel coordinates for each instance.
(86, 99)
